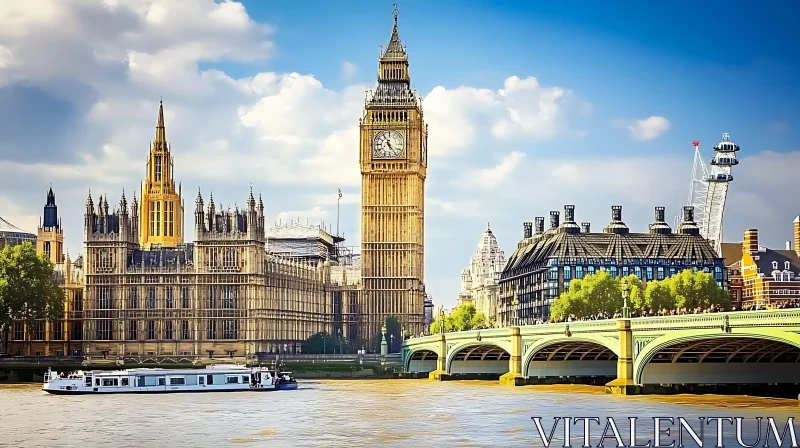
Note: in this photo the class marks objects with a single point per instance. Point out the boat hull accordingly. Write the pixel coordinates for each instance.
(109, 392)
(290, 386)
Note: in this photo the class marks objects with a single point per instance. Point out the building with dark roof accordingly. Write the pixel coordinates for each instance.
(770, 277)
(546, 260)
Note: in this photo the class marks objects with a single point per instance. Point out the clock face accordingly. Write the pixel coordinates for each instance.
(387, 145)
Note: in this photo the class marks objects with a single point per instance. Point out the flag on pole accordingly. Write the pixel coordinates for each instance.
(340, 193)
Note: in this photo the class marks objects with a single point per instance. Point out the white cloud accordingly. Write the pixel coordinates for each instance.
(18, 216)
(349, 70)
(498, 154)
(647, 129)
(490, 178)
(459, 118)
(311, 215)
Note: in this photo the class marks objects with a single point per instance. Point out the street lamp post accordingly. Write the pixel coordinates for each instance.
(324, 343)
(391, 343)
(625, 293)
(341, 349)
(441, 320)
(516, 307)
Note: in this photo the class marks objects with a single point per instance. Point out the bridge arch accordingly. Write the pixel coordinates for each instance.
(580, 355)
(421, 359)
(479, 357)
(717, 357)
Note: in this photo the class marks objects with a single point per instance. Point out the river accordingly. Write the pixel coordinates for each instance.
(354, 413)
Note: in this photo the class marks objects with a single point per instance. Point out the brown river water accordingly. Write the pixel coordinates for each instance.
(361, 413)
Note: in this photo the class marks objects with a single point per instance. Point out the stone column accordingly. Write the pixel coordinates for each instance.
(515, 360)
(440, 373)
(624, 384)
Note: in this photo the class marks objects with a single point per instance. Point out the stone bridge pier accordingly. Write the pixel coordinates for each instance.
(710, 353)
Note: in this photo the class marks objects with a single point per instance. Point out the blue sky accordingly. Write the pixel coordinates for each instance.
(270, 93)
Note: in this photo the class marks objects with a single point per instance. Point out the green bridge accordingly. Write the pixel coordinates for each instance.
(627, 355)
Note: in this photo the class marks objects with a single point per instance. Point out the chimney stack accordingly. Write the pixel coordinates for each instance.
(660, 226)
(797, 235)
(569, 213)
(750, 245)
(553, 220)
(586, 227)
(527, 229)
(659, 214)
(688, 226)
(616, 225)
(539, 220)
(788, 245)
(616, 213)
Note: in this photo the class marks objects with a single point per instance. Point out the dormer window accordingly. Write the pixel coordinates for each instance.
(774, 265)
(786, 265)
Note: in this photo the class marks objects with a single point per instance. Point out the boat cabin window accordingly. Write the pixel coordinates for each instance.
(110, 381)
(97, 381)
(124, 381)
(232, 380)
(88, 381)
(177, 381)
(162, 381)
(201, 379)
(244, 379)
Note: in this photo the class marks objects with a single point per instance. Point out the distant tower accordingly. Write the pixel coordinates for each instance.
(708, 191)
(161, 212)
(50, 239)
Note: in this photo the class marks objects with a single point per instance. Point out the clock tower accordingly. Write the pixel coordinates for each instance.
(393, 160)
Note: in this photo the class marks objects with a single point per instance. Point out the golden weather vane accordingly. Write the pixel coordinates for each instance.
(395, 13)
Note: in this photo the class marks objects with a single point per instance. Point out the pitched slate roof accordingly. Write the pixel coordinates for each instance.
(614, 243)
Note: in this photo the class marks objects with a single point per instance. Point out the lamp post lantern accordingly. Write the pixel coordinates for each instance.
(625, 293)
(341, 351)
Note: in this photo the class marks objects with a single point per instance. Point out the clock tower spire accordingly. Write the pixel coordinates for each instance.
(393, 159)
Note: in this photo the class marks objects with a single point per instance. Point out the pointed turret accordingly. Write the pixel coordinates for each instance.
(50, 211)
(161, 131)
(395, 48)
(123, 204)
(161, 220)
(394, 80)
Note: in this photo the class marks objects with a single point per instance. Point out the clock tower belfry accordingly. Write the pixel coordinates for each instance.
(393, 158)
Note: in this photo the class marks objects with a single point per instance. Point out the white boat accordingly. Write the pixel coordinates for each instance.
(215, 378)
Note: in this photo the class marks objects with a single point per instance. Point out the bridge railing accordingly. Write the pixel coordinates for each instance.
(758, 318)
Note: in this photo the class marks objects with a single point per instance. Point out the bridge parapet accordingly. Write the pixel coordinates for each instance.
(761, 318)
(633, 343)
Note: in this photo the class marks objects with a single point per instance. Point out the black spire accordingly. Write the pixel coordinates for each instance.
(50, 210)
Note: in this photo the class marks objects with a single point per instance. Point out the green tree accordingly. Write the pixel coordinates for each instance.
(463, 318)
(636, 298)
(593, 294)
(658, 296)
(697, 289)
(322, 343)
(571, 303)
(28, 288)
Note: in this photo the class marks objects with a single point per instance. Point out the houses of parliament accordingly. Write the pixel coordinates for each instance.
(241, 288)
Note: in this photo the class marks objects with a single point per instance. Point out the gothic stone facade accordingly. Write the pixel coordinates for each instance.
(224, 295)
